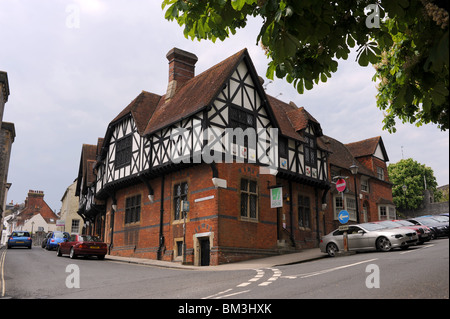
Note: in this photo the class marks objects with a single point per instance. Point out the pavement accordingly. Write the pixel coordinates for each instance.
(268, 262)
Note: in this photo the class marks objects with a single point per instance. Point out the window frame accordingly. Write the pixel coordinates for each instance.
(245, 197)
(133, 206)
(380, 173)
(309, 150)
(124, 151)
(304, 211)
(177, 216)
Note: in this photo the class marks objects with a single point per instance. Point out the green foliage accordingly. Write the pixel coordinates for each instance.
(411, 174)
(305, 39)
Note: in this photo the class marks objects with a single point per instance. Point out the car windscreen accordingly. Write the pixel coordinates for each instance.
(405, 223)
(88, 238)
(428, 221)
(372, 226)
(59, 235)
(21, 234)
(388, 223)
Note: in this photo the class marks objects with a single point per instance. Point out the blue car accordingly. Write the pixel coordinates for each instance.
(19, 238)
(55, 239)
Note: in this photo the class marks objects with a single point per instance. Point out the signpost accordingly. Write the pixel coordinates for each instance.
(343, 216)
(184, 210)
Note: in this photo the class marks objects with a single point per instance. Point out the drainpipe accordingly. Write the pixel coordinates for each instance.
(324, 208)
(113, 212)
(316, 195)
(161, 214)
(291, 211)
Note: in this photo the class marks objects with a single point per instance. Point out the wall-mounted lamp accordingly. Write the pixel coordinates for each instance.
(151, 198)
(114, 207)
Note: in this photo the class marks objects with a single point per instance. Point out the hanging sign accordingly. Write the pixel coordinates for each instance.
(276, 197)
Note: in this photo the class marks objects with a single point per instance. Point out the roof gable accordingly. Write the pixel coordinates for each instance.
(341, 156)
(369, 147)
(85, 169)
(141, 109)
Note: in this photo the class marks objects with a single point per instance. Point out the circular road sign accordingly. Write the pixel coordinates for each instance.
(340, 185)
(343, 216)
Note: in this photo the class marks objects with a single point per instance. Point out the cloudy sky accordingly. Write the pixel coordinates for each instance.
(73, 65)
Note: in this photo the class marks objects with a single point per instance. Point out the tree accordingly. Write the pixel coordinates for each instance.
(413, 175)
(405, 40)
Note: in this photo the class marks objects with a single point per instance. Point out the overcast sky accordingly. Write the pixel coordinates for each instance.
(73, 65)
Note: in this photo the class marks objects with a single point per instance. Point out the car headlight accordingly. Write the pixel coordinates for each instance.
(398, 236)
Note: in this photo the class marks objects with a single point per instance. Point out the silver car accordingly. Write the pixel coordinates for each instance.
(368, 236)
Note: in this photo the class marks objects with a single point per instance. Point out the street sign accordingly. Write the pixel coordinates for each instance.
(340, 185)
(343, 228)
(343, 216)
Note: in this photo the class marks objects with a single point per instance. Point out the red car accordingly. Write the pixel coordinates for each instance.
(82, 245)
(423, 232)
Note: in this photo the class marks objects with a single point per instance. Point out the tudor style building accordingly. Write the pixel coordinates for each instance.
(218, 142)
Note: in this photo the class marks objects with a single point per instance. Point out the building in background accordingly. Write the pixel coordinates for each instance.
(7, 135)
(69, 220)
(36, 214)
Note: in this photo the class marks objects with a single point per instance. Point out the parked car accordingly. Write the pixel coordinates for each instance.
(82, 245)
(20, 238)
(44, 241)
(423, 232)
(441, 218)
(368, 236)
(438, 229)
(55, 239)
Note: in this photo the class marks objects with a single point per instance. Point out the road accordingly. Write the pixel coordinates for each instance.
(420, 272)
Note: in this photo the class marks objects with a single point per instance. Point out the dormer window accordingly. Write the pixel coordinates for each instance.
(123, 151)
(310, 150)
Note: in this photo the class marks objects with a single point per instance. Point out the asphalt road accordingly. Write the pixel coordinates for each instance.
(420, 272)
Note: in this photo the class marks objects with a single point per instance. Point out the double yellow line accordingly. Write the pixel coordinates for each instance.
(2, 272)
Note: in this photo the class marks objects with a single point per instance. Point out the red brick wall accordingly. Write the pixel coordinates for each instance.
(232, 237)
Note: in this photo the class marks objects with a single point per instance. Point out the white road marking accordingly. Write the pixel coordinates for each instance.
(410, 251)
(311, 274)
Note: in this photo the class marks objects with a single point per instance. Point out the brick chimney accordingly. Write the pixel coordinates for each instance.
(181, 69)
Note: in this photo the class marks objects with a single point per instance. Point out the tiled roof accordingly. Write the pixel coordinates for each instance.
(363, 148)
(342, 157)
(141, 108)
(194, 95)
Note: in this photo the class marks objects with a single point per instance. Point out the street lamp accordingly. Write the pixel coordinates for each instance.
(354, 170)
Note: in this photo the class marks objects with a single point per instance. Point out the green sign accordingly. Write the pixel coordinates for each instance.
(276, 197)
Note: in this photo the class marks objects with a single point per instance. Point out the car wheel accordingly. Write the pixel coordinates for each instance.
(58, 252)
(383, 244)
(72, 253)
(332, 249)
